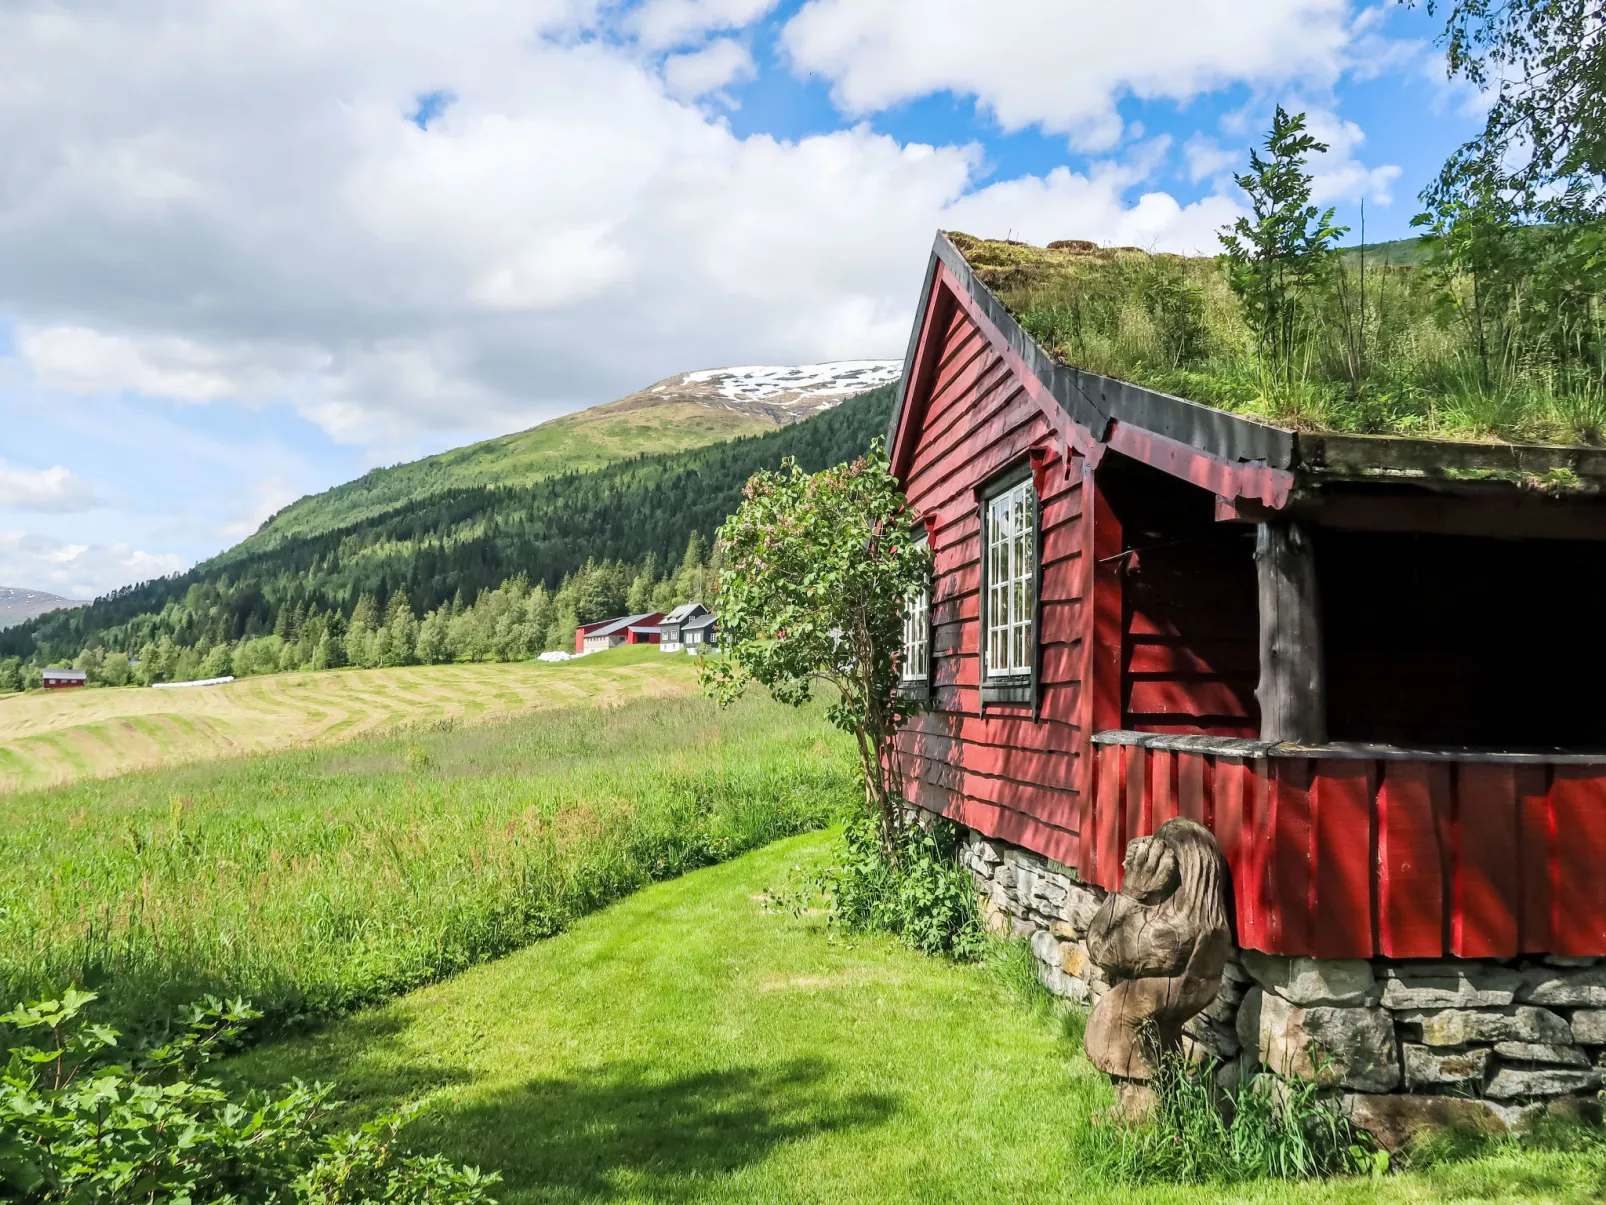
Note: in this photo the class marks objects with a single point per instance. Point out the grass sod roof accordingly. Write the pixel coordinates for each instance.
(1098, 320)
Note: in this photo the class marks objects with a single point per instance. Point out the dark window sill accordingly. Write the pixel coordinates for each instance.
(914, 690)
(1007, 690)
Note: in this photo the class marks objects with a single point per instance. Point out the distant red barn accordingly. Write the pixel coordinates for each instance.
(1372, 665)
(608, 633)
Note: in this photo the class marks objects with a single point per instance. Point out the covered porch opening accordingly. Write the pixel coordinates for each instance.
(1398, 737)
(1453, 640)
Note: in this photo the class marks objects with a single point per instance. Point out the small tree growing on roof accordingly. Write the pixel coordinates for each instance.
(816, 571)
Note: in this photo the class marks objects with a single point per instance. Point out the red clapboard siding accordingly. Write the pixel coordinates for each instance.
(1356, 857)
(1008, 773)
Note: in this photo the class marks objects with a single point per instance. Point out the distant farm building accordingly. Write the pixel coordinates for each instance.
(699, 632)
(60, 679)
(609, 633)
(673, 624)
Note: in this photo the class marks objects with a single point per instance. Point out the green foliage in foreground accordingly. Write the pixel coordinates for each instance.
(317, 881)
(85, 1118)
(920, 894)
(691, 1044)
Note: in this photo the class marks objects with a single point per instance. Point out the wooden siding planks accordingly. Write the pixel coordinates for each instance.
(1004, 772)
(1356, 857)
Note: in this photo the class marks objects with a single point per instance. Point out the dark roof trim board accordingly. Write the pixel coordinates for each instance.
(1250, 458)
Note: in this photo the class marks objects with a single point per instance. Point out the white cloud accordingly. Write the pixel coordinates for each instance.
(1339, 176)
(1208, 159)
(1068, 205)
(260, 500)
(660, 24)
(231, 203)
(1063, 64)
(723, 61)
(37, 562)
(56, 489)
(80, 360)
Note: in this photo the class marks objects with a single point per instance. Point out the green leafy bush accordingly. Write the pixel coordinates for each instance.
(83, 1118)
(921, 894)
(1270, 1127)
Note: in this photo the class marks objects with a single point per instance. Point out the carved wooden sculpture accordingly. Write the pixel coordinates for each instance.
(1162, 940)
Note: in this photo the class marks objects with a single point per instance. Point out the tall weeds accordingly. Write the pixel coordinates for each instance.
(315, 882)
(1270, 1127)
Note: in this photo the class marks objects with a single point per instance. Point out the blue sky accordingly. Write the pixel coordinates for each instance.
(247, 253)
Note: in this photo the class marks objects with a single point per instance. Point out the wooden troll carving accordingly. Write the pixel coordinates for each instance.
(1162, 941)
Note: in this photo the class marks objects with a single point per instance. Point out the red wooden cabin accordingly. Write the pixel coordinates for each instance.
(1372, 665)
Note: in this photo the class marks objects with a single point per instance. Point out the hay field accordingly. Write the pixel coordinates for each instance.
(51, 738)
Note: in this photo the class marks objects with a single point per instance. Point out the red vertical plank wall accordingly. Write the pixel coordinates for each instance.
(1002, 771)
(1344, 857)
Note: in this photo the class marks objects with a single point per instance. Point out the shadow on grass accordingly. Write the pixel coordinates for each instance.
(625, 1129)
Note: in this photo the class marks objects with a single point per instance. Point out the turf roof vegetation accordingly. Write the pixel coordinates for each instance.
(1407, 365)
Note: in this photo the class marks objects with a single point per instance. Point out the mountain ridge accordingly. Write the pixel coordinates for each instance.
(687, 410)
(18, 604)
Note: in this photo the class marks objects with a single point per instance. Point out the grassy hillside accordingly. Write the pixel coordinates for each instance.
(1396, 253)
(50, 738)
(571, 444)
(458, 541)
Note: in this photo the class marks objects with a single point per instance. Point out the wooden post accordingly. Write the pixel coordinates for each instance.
(1293, 680)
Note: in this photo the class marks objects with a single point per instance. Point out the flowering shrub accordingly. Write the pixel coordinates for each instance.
(816, 570)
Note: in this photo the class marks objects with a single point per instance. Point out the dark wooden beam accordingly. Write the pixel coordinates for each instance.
(1293, 680)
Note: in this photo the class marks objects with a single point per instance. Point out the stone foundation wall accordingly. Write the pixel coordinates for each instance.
(1404, 1041)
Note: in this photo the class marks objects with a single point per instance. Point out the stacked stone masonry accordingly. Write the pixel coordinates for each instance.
(1404, 1041)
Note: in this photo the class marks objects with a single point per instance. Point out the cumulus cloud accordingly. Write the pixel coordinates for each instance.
(659, 24)
(37, 562)
(54, 490)
(1063, 64)
(1339, 175)
(723, 61)
(240, 203)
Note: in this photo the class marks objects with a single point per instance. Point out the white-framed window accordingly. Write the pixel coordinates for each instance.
(1011, 555)
(915, 665)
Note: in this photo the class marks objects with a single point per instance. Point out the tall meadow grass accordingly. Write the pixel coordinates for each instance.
(318, 881)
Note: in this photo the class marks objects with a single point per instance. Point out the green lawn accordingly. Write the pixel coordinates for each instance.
(688, 1045)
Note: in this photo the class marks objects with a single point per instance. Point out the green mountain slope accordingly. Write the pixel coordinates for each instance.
(689, 410)
(573, 443)
(457, 541)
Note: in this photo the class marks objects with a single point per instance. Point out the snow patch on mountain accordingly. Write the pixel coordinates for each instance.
(783, 393)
